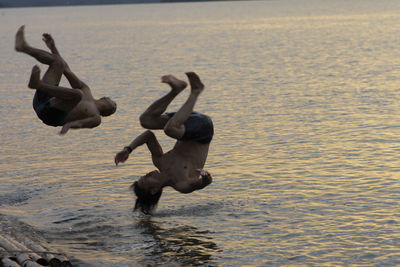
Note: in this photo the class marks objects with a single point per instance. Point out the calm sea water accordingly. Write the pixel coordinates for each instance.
(305, 100)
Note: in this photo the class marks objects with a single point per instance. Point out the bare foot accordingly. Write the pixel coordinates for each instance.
(49, 41)
(195, 83)
(20, 43)
(176, 84)
(35, 78)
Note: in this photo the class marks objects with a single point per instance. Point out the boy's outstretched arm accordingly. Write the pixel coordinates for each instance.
(90, 122)
(147, 138)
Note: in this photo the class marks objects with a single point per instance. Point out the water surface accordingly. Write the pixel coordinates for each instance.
(305, 100)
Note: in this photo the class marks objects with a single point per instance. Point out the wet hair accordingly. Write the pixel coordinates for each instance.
(145, 201)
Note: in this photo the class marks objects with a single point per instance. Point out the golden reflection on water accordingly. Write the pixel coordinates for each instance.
(305, 107)
(187, 244)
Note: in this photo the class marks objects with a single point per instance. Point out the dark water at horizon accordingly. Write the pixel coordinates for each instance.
(304, 96)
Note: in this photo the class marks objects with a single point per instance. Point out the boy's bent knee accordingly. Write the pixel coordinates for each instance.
(173, 131)
(58, 63)
(78, 95)
(145, 121)
(148, 121)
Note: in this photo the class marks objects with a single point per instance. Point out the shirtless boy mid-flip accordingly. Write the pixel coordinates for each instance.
(60, 106)
(182, 167)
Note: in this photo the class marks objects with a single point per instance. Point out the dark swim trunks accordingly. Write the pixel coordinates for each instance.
(49, 115)
(198, 127)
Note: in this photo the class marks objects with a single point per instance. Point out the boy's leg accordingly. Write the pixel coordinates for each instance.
(73, 80)
(153, 117)
(22, 46)
(52, 77)
(56, 65)
(46, 84)
(175, 126)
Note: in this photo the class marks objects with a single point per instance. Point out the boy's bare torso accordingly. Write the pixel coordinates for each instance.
(84, 109)
(180, 164)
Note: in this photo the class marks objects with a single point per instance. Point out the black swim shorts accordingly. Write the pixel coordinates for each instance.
(198, 127)
(49, 115)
